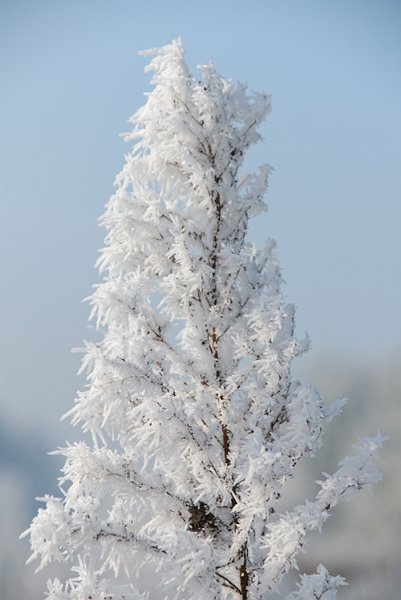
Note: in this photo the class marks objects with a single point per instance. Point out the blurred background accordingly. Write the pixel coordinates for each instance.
(70, 80)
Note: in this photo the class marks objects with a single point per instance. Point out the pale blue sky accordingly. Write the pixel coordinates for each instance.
(70, 80)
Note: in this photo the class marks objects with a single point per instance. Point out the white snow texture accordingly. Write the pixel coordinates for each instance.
(195, 420)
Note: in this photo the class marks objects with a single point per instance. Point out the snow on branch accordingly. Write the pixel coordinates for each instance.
(197, 423)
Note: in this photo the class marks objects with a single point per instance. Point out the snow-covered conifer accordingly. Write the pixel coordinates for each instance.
(196, 423)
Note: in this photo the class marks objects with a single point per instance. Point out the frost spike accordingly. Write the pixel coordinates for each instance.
(197, 423)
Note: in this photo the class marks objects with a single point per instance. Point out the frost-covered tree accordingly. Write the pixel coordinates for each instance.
(195, 421)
